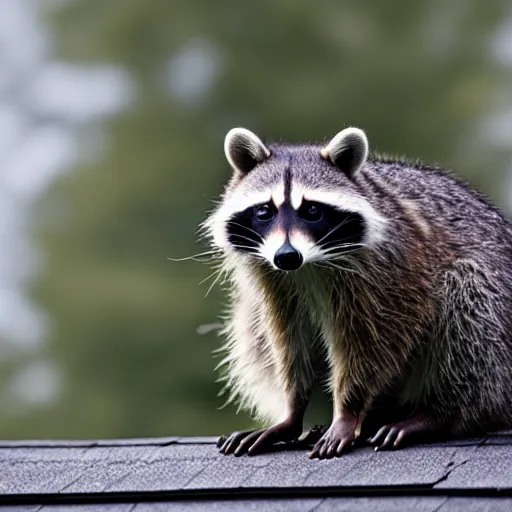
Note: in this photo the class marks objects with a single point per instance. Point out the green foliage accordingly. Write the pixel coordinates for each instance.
(417, 76)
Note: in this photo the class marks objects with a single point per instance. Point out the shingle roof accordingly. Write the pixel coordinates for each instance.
(189, 474)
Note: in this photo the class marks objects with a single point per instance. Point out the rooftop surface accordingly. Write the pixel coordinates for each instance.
(189, 474)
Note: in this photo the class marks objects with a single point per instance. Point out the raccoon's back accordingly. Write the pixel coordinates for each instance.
(447, 204)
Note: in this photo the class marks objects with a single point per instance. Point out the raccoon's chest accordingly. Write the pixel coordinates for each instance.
(319, 297)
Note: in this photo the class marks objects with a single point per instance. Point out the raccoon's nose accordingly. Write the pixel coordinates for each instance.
(288, 258)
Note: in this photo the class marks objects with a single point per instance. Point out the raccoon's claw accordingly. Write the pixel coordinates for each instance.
(327, 449)
(392, 436)
(339, 438)
(257, 441)
(387, 437)
(230, 443)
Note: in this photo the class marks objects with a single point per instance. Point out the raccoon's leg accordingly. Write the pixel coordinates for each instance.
(463, 384)
(355, 382)
(342, 432)
(257, 441)
(417, 427)
(271, 369)
(360, 374)
(296, 398)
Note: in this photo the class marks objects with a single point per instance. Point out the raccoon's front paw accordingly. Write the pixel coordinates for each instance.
(392, 436)
(257, 441)
(338, 438)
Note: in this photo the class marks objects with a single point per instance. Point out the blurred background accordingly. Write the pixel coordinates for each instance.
(112, 120)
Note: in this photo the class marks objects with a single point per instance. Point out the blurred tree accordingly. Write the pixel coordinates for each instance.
(419, 77)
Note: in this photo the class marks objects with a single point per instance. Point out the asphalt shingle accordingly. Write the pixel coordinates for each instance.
(151, 475)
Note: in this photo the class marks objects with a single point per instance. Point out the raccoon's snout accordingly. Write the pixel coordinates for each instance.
(288, 258)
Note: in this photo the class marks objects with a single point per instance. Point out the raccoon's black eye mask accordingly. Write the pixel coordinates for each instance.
(264, 212)
(329, 227)
(308, 211)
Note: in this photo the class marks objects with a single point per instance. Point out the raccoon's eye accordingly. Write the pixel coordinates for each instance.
(264, 212)
(312, 212)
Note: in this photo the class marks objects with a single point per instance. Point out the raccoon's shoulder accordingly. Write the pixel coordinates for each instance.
(414, 177)
(432, 190)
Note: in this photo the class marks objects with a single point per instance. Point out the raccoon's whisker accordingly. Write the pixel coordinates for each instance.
(254, 251)
(245, 238)
(335, 264)
(213, 254)
(342, 223)
(222, 274)
(245, 227)
(337, 243)
(345, 269)
(342, 246)
(240, 246)
(214, 283)
(214, 273)
(332, 265)
(341, 249)
(339, 255)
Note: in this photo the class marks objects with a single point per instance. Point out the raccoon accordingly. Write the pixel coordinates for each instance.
(389, 281)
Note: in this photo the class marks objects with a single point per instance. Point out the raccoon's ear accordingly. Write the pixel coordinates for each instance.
(244, 150)
(348, 150)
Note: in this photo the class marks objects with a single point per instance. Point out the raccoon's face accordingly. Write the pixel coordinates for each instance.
(292, 205)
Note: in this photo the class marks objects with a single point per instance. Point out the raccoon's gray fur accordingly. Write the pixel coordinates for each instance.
(409, 303)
